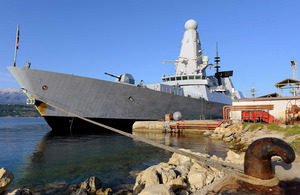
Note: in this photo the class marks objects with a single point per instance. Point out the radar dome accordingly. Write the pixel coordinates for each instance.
(191, 24)
(177, 116)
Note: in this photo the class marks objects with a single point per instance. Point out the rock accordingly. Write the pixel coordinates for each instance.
(183, 169)
(80, 191)
(220, 136)
(209, 179)
(214, 157)
(107, 191)
(150, 177)
(91, 185)
(167, 175)
(182, 192)
(197, 167)
(138, 187)
(230, 133)
(178, 159)
(246, 129)
(196, 180)
(160, 189)
(234, 128)
(214, 135)
(207, 133)
(24, 191)
(74, 187)
(235, 158)
(6, 178)
(147, 178)
(238, 139)
(177, 183)
(228, 139)
(216, 131)
(125, 192)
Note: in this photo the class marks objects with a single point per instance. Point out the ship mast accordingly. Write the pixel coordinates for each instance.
(294, 65)
(217, 60)
(17, 46)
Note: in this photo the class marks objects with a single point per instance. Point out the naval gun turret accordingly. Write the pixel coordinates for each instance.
(123, 78)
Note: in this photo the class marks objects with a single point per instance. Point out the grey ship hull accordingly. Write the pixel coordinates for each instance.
(111, 103)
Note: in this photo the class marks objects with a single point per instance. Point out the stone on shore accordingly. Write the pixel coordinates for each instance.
(178, 159)
(235, 158)
(159, 189)
(91, 185)
(6, 178)
(207, 133)
(101, 191)
(157, 174)
(24, 191)
(80, 191)
(196, 180)
(177, 183)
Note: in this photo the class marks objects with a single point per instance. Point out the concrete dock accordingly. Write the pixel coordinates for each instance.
(188, 126)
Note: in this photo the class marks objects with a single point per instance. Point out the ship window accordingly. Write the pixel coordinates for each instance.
(178, 78)
(167, 79)
(198, 77)
(164, 80)
(184, 78)
(191, 77)
(203, 77)
(172, 78)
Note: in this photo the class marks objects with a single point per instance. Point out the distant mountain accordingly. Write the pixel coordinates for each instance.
(12, 96)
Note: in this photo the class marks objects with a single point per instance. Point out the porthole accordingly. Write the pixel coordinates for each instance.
(45, 87)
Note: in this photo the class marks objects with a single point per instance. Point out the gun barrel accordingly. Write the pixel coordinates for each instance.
(112, 75)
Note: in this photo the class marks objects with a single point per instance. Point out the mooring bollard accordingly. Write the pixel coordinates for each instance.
(258, 161)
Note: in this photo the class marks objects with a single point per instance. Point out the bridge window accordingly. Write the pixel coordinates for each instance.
(184, 78)
(172, 78)
(191, 77)
(198, 77)
(178, 78)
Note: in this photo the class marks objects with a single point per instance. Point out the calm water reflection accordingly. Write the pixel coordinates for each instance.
(37, 157)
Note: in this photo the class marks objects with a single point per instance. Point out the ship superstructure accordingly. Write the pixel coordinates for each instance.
(190, 79)
(121, 103)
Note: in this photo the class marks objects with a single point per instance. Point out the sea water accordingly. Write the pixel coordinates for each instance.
(36, 157)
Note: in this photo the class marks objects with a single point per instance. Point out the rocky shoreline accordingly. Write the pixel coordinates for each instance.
(240, 138)
(181, 175)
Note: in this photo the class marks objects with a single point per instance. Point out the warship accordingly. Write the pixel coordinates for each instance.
(119, 104)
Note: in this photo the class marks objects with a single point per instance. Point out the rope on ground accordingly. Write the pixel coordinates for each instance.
(224, 166)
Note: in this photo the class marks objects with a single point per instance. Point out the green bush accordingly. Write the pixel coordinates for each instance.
(292, 131)
(255, 126)
(274, 126)
(295, 145)
(245, 125)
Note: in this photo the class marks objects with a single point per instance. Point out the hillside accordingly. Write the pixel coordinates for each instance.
(13, 104)
(12, 96)
(17, 110)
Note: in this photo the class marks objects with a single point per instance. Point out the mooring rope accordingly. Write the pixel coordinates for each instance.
(224, 166)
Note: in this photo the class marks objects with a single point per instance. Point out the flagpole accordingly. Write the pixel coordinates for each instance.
(17, 45)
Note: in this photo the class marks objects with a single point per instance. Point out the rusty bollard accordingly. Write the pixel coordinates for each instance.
(258, 162)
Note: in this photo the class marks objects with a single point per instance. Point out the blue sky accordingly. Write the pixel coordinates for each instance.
(257, 38)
